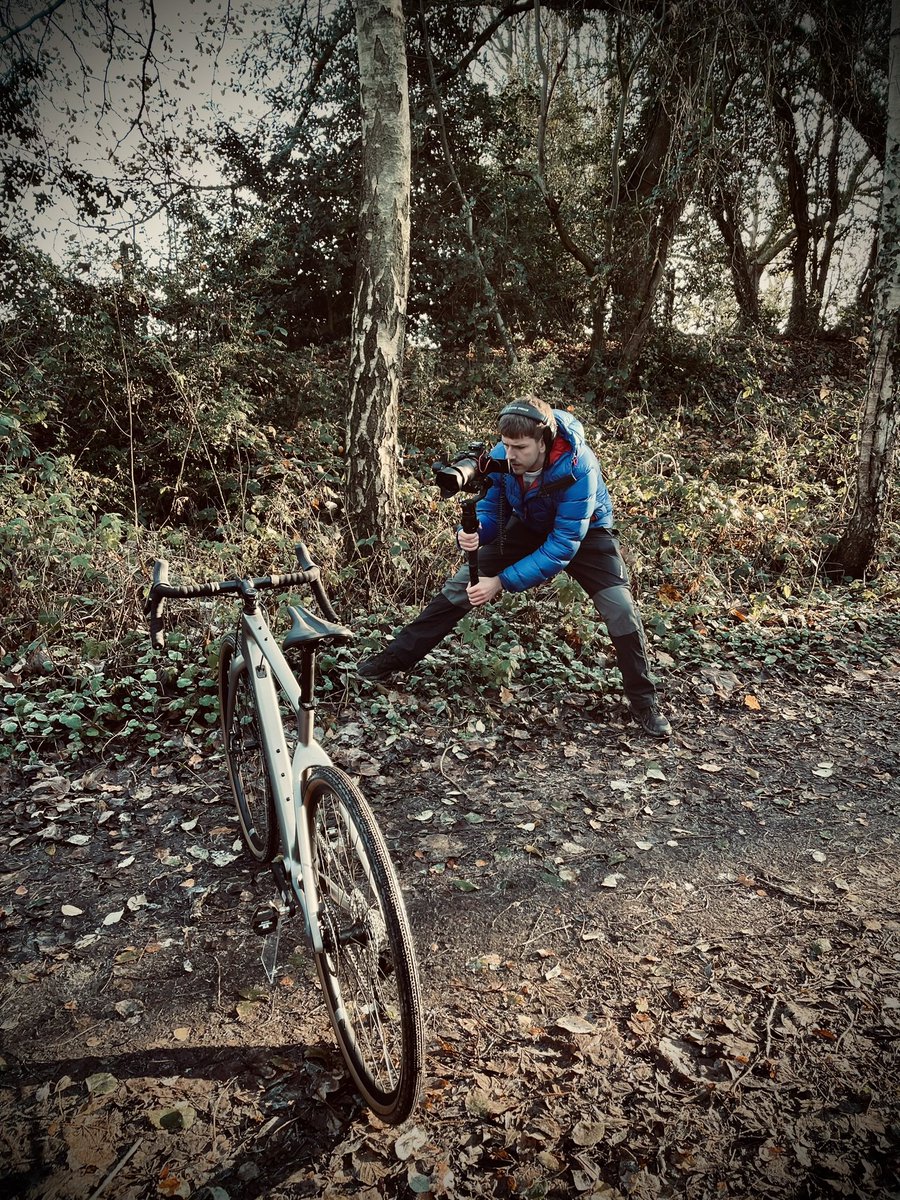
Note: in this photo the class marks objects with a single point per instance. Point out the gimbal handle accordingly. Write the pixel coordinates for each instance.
(470, 525)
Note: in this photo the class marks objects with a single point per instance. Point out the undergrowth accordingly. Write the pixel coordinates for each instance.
(726, 504)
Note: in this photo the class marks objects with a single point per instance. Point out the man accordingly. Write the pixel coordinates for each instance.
(549, 511)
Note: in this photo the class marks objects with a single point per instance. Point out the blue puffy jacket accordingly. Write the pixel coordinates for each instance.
(567, 499)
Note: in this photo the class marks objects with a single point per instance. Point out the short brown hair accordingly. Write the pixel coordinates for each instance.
(515, 423)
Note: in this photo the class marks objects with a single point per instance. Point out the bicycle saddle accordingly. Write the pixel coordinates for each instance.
(310, 630)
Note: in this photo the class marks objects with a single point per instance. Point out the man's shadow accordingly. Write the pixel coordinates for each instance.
(309, 1107)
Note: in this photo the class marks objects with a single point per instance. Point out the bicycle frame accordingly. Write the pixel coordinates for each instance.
(338, 874)
(259, 654)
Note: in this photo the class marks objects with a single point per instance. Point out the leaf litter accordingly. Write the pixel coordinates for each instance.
(708, 1005)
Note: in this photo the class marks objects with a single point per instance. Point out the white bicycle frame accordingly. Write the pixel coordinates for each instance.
(259, 654)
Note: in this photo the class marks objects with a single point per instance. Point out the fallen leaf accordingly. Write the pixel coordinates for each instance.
(69, 910)
(409, 1142)
(575, 1024)
(114, 918)
(588, 1133)
(101, 1084)
(179, 1116)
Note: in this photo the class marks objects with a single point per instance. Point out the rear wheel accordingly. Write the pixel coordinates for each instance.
(368, 968)
(245, 759)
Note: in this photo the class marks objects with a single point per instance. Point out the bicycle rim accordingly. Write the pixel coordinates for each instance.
(245, 760)
(368, 968)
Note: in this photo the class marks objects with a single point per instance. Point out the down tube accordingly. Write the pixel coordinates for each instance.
(263, 652)
(261, 665)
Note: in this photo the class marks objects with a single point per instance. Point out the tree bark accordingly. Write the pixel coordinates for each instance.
(800, 319)
(881, 411)
(745, 275)
(378, 325)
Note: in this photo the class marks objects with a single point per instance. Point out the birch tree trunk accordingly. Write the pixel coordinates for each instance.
(378, 323)
(881, 410)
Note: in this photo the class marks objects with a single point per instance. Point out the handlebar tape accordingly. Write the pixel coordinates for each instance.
(161, 589)
(315, 582)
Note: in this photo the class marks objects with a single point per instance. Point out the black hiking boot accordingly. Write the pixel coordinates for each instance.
(651, 720)
(380, 666)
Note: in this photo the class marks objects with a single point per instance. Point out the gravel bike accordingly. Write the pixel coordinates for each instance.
(308, 820)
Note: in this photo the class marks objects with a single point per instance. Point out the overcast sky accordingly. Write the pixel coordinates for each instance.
(92, 93)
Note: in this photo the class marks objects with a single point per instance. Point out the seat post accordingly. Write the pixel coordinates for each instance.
(307, 678)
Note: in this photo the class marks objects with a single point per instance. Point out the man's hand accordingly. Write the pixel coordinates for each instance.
(468, 541)
(484, 590)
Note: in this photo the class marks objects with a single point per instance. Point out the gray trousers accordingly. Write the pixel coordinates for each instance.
(597, 567)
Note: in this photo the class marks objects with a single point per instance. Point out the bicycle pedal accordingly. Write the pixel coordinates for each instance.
(265, 920)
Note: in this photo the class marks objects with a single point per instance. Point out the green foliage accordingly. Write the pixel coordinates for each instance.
(725, 502)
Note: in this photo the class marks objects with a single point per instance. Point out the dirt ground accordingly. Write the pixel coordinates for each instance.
(650, 970)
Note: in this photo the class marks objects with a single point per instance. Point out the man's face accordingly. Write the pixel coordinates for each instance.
(524, 453)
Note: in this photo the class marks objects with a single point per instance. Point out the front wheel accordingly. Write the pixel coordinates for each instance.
(368, 967)
(245, 758)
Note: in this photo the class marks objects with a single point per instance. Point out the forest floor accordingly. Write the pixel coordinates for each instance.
(650, 970)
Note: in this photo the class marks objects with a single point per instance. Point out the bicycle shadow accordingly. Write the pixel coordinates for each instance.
(309, 1105)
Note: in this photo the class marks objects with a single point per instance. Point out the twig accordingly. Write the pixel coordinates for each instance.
(784, 889)
(75, 1036)
(458, 786)
(769, 1019)
(110, 1176)
(532, 936)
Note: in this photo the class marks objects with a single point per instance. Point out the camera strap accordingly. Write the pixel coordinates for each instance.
(557, 485)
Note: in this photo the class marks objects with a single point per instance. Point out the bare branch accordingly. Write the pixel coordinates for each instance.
(553, 205)
(511, 10)
(490, 294)
(148, 52)
(47, 12)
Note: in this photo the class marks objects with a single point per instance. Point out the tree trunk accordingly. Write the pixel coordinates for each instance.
(800, 321)
(635, 252)
(744, 275)
(881, 410)
(378, 324)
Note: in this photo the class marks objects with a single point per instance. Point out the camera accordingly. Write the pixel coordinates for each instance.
(467, 472)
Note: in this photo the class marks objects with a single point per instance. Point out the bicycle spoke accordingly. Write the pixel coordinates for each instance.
(367, 966)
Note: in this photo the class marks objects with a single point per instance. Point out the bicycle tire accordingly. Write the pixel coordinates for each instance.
(245, 760)
(368, 967)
